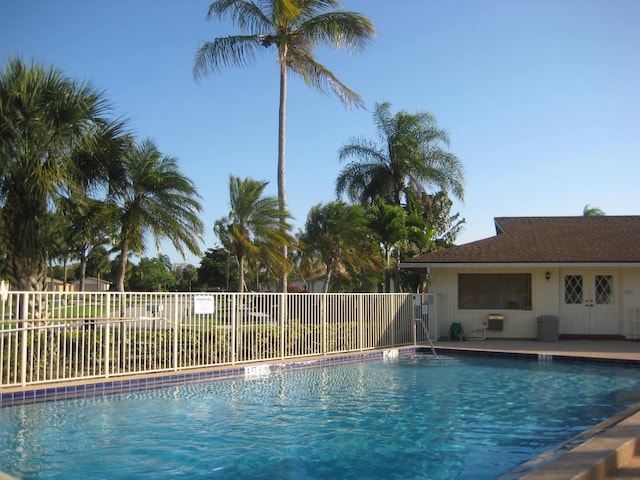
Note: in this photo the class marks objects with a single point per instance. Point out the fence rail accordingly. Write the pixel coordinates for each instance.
(56, 336)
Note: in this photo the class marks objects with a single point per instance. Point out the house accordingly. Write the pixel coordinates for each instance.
(583, 273)
(92, 284)
(56, 285)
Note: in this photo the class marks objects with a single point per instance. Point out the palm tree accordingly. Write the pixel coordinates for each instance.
(389, 223)
(186, 276)
(58, 245)
(87, 224)
(337, 236)
(154, 198)
(446, 226)
(98, 262)
(45, 118)
(409, 156)
(294, 28)
(590, 211)
(254, 227)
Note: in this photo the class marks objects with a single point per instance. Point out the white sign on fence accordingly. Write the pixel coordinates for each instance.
(203, 304)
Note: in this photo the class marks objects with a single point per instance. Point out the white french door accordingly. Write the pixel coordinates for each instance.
(589, 303)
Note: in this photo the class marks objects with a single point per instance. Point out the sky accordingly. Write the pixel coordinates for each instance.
(540, 97)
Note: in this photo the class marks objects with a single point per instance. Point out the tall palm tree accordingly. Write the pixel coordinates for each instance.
(294, 28)
(254, 227)
(45, 118)
(154, 198)
(409, 156)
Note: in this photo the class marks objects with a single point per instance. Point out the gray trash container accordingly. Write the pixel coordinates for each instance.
(548, 328)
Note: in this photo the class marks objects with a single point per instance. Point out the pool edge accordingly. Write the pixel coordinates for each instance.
(592, 455)
(92, 387)
(596, 458)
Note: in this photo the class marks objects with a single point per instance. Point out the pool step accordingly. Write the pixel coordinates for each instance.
(629, 469)
(612, 455)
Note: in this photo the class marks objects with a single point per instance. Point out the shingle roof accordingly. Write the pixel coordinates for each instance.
(598, 239)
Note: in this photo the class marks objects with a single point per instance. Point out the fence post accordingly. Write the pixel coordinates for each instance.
(283, 316)
(396, 306)
(417, 301)
(23, 353)
(323, 320)
(233, 328)
(176, 323)
(360, 322)
(107, 331)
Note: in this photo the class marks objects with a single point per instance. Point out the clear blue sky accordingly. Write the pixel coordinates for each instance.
(541, 98)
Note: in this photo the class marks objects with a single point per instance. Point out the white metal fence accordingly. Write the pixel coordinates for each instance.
(55, 336)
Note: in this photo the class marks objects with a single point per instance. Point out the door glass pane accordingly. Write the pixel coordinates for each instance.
(604, 289)
(573, 289)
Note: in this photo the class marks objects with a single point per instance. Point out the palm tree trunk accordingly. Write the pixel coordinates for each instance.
(241, 274)
(387, 269)
(326, 282)
(65, 270)
(26, 261)
(122, 265)
(26, 270)
(282, 121)
(83, 266)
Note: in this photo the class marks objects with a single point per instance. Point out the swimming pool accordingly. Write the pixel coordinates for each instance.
(462, 417)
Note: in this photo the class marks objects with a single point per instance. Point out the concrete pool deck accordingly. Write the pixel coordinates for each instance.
(593, 349)
(610, 451)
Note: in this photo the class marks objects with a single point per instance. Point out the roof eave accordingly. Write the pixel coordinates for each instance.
(422, 265)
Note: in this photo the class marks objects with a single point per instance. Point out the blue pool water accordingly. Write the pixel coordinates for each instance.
(414, 418)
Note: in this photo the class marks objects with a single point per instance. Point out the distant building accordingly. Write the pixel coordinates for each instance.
(92, 284)
(55, 285)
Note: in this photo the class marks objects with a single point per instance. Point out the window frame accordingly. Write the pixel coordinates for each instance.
(488, 291)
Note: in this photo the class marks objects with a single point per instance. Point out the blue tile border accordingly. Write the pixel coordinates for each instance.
(48, 393)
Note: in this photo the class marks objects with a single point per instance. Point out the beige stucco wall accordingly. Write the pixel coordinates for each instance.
(631, 303)
(547, 298)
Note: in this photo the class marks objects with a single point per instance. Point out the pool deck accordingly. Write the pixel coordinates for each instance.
(611, 450)
(601, 349)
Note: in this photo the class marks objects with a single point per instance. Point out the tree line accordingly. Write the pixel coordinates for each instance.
(76, 184)
(355, 244)
(73, 178)
(352, 244)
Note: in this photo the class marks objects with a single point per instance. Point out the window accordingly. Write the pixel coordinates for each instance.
(604, 289)
(573, 291)
(510, 291)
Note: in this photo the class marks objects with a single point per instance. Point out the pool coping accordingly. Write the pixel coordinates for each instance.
(592, 455)
(16, 395)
